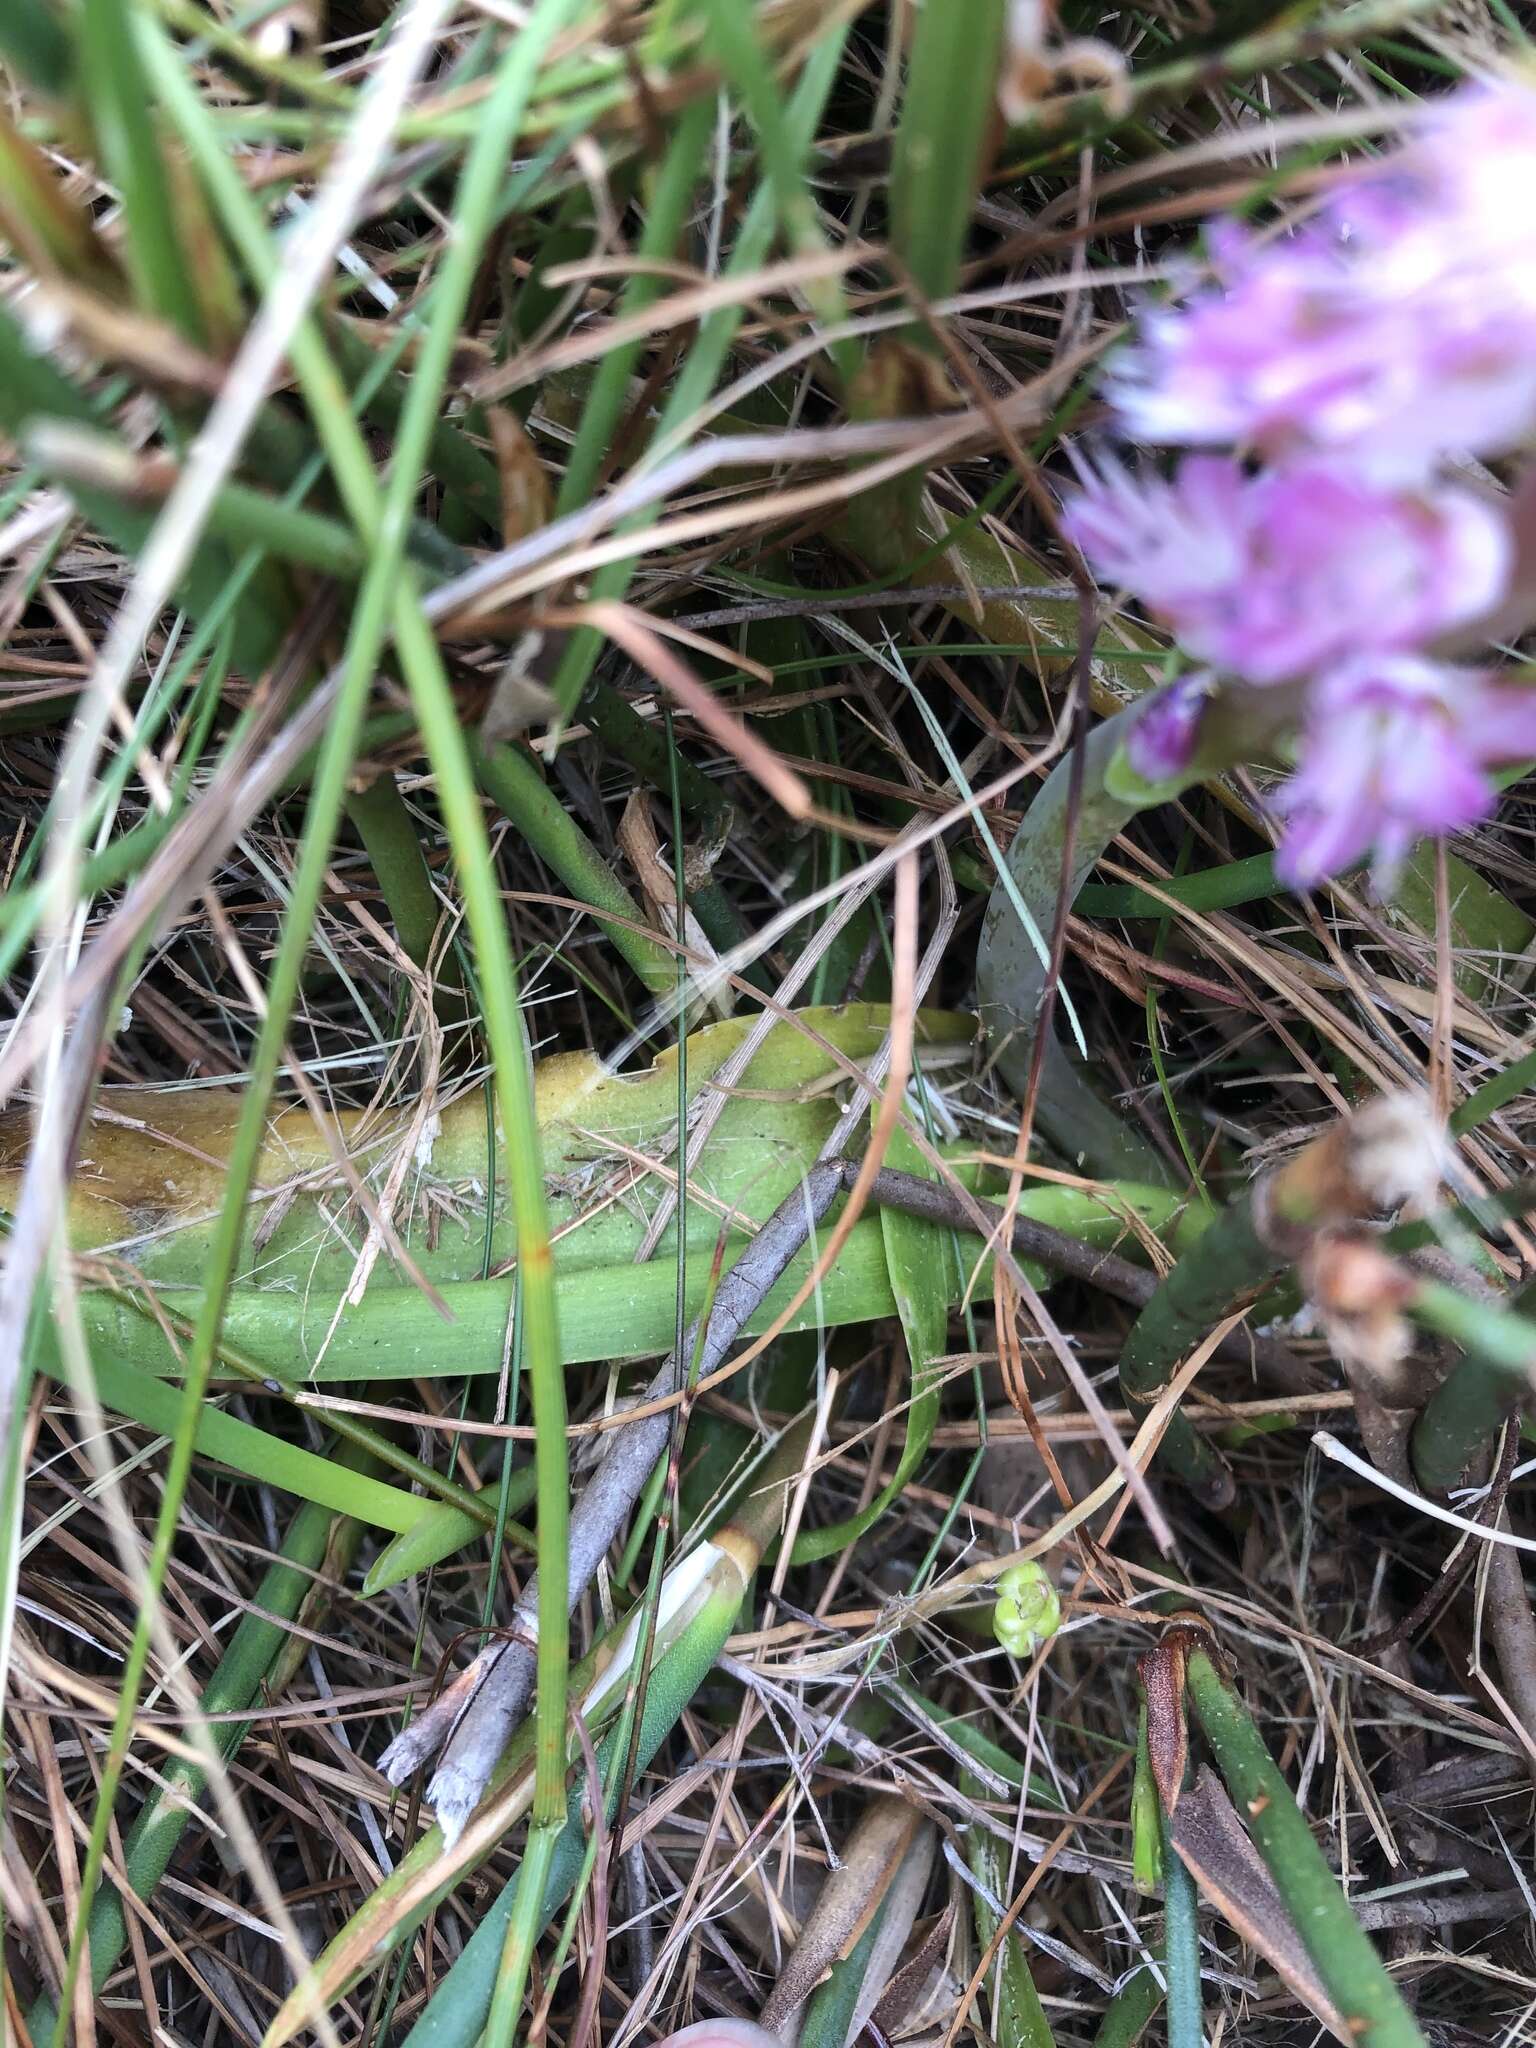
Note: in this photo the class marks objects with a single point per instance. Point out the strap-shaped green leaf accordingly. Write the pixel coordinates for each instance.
(156, 1403)
(923, 1263)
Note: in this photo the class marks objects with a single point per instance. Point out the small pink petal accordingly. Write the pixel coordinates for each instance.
(722, 2034)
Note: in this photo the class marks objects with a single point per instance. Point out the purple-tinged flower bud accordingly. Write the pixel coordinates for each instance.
(1276, 575)
(1396, 749)
(1161, 743)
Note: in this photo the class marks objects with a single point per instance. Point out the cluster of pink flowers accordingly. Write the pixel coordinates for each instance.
(1342, 368)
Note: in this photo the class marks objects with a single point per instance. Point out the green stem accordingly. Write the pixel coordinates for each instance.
(514, 784)
(388, 598)
(432, 698)
(532, 1911)
(460, 2007)
(1351, 1971)
(1181, 1950)
(1481, 1391)
(732, 32)
(1018, 2018)
(373, 1443)
(1130, 2012)
(643, 745)
(1236, 882)
(1231, 1265)
(462, 2004)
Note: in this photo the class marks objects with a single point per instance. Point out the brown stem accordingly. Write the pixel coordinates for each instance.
(1513, 1629)
(1063, 1253)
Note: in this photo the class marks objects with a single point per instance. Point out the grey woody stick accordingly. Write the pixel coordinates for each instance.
(474, 1719)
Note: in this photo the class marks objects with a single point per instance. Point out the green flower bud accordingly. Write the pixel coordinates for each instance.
(1027, 1610)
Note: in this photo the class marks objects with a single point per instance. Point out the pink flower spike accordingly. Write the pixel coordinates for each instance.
(1274, 576)
(1395, 328)
(1273, 355)
(1396, 749)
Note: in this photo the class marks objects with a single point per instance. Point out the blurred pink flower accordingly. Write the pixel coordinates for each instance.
(1272, 576)
(722, 2034)
(1396, 749)
(1397, 327)
(1473, 160)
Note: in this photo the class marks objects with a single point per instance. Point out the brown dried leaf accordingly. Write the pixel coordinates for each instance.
(115, 334)
(51, 231)
(848, 1900)
(1162, 1681)
(1211, 1839)
(908, 1984)
(525, 492)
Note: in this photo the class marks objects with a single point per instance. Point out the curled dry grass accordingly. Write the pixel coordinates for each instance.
(600, 699)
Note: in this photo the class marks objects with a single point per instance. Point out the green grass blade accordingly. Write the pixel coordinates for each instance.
(952, 78)
(34, 40)
(432, 698)
(605, 1311)
(733, 35)
(459, 2007)
(437, 1532)
(696, 377)
(121, 113)
(156, 1404)
(1018, 2018)
(515, 784)
(667, 203)
(32, 390)
(1130, 2012)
